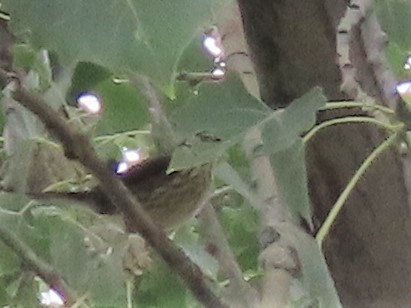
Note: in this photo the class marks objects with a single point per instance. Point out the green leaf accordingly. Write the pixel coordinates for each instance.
(316, 278)
(148, 36)
(123, 108)
(194, 58)
(396, 57)
(222, 112)
(160, 287)
(9, 262)
(100, 275)
(19, 168)
(190, 242)
(226, 111)
(107, 283)
(282, 128)
(4, 297)
(291, 178)
(27, 290)
(85, 77)
(229, 175)
(67, 252)
(395, 16)
(281, 139)
(24, 56)
(241, 226)
(199, 153)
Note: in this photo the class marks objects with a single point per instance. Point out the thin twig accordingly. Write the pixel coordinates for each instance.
(363, 105)
(353, 15)
(162, 130)
(350, 120)
(77, 146)
(45, 271)
(239, 292)
(221, 191)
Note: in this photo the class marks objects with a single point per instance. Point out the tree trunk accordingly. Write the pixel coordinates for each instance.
(293, 47)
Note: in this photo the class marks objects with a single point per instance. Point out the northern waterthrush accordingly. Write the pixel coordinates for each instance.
(169, 199)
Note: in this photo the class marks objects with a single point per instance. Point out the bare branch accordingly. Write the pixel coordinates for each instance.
(162, 129)
(278, 257)
(374, 43)
(239, 293)
(354, 14)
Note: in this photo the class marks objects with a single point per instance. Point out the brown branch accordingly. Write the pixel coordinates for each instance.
(374, 43)
(77, 146)
(240, 293)
(45, 271)
(352, 17)
(162, 130)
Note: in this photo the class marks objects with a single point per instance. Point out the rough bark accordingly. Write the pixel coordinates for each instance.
(292, 45)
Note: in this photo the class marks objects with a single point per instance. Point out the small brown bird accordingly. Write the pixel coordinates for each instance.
(170, 199)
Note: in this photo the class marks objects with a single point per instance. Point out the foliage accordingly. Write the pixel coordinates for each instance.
(72, 47)
(395, 17)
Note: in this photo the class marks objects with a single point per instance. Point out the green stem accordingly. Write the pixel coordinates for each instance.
(108, 138)
(129, 289)
(46, 142)
(4, 16)
(343, 104)
(345, 120)
(326, 226)
(194, 76)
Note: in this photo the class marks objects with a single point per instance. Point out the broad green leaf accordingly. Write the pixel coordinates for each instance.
(123, 108)
(148, 36)
(18, 169)
(85, 77)
(282, 128)
(316, 277)
(10, 204)
(396, 57)
(395, 17)
(21, 124)
(107, 283)
(281, 136)
(26, 292)
(218, 116)
(55, 95)
(99, 274)
(24, 56)
(56, 238)
(160, 287)
(226, 111)
(68, 252)
(193, 60)
(223, 109)
(9, 262)
(189, 240)
(241, 226)
(229, 175)
(4, 297)
(199, 153)
(291, 178)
